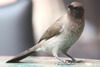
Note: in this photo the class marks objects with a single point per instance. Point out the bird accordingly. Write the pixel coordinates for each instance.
(60, 36)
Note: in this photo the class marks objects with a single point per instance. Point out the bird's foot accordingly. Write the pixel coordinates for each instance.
(73, 62)
(67, 62)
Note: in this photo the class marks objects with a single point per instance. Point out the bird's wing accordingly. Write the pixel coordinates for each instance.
(54, 30)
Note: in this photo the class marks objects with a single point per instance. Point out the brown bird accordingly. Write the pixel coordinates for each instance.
(60, 36)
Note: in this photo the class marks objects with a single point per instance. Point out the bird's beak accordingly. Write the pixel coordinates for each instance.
(70, 6)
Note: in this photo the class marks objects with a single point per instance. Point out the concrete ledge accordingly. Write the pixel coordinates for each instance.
(46, 62)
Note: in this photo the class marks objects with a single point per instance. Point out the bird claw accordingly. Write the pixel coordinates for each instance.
(65, 63)
(68, 62)
(72, 62)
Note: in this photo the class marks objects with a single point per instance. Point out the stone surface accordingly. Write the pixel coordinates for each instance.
(46, 62)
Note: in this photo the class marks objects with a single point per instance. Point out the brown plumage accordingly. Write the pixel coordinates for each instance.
(54, 30)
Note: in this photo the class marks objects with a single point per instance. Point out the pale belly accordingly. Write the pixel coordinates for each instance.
(62, 42)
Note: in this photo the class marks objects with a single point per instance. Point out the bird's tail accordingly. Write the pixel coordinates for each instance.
(23, 55)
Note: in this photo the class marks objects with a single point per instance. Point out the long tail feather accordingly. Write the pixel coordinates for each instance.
(23, 55)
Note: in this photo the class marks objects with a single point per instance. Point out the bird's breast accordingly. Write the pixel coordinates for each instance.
(64, 40)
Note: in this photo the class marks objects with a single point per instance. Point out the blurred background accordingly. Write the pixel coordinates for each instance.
(41, 14)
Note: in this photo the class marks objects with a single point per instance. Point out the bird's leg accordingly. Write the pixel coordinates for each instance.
(55, 54)
(73, 60)
(61, 61)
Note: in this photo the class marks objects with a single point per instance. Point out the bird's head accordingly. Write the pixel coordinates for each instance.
(76, 10)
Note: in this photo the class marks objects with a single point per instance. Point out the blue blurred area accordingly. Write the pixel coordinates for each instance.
(16, 32)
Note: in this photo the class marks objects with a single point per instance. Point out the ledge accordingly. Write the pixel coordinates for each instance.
(46, 62)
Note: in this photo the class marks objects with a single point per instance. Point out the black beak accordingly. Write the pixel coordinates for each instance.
(70, 6)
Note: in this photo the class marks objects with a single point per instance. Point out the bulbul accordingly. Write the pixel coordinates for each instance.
(60, 36)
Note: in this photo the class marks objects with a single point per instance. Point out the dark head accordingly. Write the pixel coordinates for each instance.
(76, 10)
